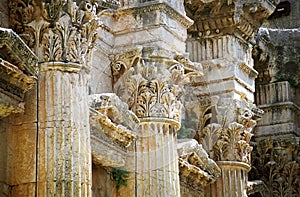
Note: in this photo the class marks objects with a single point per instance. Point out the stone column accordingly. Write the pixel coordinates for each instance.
(150, 80)
(61, 33)
(148, 75)
(221, 38)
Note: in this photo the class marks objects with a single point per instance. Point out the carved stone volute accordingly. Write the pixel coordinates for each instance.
(229, 138)
(59, 31)
(150, 79)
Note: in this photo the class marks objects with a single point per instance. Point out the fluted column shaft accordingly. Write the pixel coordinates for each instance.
(61, 33)
(233, 181)
(64, 162)
(221, 39)
(157, 165)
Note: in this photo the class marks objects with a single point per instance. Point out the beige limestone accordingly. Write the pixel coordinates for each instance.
(61, 144)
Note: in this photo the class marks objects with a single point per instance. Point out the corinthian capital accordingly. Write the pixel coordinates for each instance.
(229, 138)
(223, 17)
(56, 30)
(150, 80)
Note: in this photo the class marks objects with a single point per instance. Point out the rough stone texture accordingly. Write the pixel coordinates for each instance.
(17, 70)
(276, 142)
(64, 137)
(4, 14)
(196, 169)
(220, 39)
(62, 144)
(103, 186)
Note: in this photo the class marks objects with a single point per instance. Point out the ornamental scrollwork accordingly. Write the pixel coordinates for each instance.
(150, 81)
(227, 139)
(276, 163)
(56, 30)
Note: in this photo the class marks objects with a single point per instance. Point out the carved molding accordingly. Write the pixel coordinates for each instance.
(163, 7)
(196, 169)
(222, 17)
(18, 72)
(56, 30)
(114, 119)
(150, 81)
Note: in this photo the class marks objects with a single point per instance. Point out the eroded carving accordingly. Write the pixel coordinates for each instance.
(239, 17)
(117, 122)
(276, 163)
(196, 169)
(150, 81)
(229, 138)
(63, 31)
(18, 72)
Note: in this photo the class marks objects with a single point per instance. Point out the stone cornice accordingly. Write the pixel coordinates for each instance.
(113, 116)
(110, 105)
(117, 133)
(195, 167)
(18, 72)
(14, 50)
(219, 17)
(154, 6)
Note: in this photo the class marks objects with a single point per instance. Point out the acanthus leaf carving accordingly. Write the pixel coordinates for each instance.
(229, 138)
(150, 80)
(276, 163)
(63, 32)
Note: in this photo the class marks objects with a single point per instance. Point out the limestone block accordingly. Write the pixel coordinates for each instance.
(105, 154)
(220, 47)
(137, 25)
(278, 92)
(176, 5)
(4, 130)
(283, 130)
(103, 186)
(4, 189)
(158, 36)
(22, 159)
(23, 190)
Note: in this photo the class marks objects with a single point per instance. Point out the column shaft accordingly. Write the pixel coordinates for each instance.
(64, 155)
(157, 169)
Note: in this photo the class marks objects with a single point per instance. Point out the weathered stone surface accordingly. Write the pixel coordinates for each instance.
(196, 169)
(140, 54)
(17, 70)
(113, 129)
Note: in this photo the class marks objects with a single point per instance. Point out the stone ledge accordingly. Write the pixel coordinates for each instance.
(18, 72)
(196, 169)
(113, 129)
(14, 50)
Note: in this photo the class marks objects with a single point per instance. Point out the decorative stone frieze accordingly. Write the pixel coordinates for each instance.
(18, 72)
(196, 169)
(228, 17)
